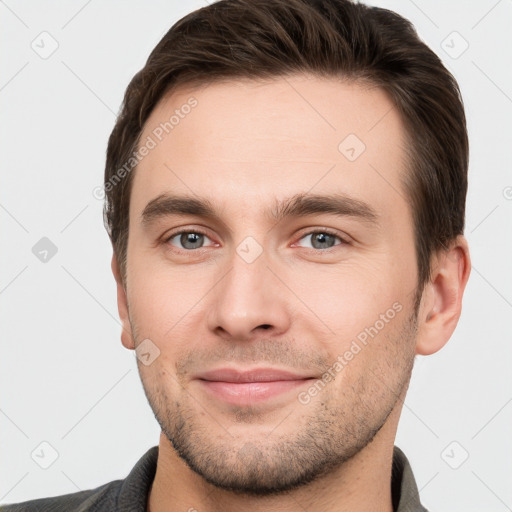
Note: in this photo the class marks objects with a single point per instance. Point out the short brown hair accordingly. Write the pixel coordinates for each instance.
(233, 39)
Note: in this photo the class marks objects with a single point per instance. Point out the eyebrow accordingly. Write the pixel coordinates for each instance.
(299, 205)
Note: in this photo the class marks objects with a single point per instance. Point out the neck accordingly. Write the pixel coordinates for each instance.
(363, 483)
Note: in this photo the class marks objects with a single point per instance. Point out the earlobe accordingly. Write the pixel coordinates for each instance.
(442, 298)
(122, 306)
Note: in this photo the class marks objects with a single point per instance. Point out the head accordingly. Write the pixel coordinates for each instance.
(314, 155)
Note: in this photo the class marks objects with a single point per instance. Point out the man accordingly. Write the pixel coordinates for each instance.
(285, 194)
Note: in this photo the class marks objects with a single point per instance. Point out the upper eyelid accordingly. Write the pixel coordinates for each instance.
(174, 234)
(328, 231)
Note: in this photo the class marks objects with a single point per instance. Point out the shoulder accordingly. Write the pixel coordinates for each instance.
(98, 499)
(404, 491)
(130, 494)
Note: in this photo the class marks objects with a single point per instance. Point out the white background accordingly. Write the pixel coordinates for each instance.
(65, 377)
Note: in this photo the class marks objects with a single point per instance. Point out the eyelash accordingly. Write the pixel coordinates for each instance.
(326, 231)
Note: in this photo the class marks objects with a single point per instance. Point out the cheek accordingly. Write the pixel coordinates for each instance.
(163, 300)
(350, 297)
(377, 361)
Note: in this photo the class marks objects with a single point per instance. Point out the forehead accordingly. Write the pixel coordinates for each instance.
(239, 142)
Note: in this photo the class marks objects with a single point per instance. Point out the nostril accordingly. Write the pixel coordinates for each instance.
(266, 326)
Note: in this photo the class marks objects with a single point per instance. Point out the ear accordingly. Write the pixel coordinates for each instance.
(122, 306)
(441, 302)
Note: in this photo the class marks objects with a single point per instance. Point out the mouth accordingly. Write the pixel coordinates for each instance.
(250, 387)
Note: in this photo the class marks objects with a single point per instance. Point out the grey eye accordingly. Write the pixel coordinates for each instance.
(321, 240)
(188, 240)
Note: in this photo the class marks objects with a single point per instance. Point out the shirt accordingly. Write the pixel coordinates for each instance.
(131, 494)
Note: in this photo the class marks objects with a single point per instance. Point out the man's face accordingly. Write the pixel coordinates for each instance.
(234, 300)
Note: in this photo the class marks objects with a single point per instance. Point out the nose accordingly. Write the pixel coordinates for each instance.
(249, 301)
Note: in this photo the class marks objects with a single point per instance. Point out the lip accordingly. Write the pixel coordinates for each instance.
(247, 387)
(254, 375)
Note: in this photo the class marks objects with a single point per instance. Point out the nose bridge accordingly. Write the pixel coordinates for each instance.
(248, 296)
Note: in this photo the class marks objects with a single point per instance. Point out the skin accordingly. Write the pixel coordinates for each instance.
(296, 306)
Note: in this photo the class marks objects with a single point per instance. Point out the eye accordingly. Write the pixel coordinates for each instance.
(321, 240)
(187, 240)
